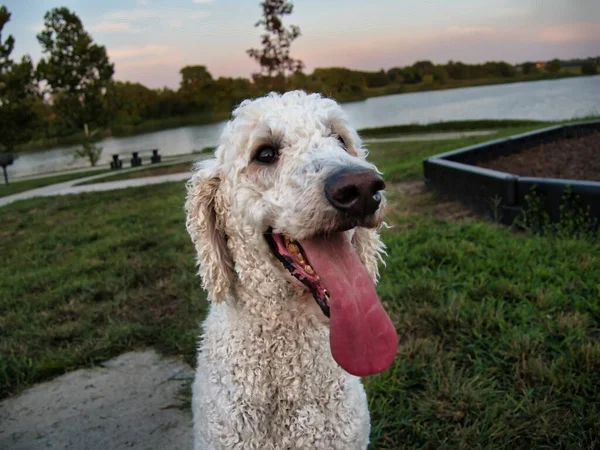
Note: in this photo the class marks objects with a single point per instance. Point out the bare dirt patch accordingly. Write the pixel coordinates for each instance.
(576, 159)
(412, 198)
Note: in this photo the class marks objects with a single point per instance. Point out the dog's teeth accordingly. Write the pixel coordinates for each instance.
(309, 270)
(293, 248)
(299, 257)
(326, 293)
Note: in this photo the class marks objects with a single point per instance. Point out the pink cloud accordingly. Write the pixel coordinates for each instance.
(576, 32)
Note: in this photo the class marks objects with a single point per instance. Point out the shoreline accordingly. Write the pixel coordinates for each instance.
(202, 119)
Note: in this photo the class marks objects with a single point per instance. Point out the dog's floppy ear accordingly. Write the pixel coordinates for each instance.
(370, 249)
(205, 224)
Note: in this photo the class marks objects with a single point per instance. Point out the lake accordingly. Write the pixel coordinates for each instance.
(540, 100)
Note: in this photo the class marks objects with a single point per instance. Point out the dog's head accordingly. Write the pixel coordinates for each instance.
(291, 179)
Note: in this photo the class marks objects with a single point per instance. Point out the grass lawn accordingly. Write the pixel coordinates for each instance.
(404, 160)
(14, 187)
(146, 171)
(498, 330)
(452, 125)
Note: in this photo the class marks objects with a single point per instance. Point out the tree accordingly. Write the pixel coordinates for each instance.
(7, 46)
(89, 150)
(197, 87)
(130, 103)
(17, 92)
(341, 83)
(530, 68)
(589, 68)
(77, 71)
(553, 66)
(274, 57)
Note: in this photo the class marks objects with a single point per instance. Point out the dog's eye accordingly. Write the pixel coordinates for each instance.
(266, 154)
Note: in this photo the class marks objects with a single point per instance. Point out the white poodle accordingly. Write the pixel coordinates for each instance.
(283, 220)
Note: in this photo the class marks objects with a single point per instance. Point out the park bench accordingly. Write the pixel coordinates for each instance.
(116, 163)
(136, 159)
(6, 159)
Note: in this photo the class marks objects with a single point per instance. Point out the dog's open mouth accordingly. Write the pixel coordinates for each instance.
(362, 337)
(293, 258)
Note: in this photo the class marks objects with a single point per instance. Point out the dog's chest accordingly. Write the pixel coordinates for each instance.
(283, 382)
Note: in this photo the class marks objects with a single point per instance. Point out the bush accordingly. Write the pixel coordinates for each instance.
(589, 68)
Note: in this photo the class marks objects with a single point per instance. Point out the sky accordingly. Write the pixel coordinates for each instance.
(150, 40)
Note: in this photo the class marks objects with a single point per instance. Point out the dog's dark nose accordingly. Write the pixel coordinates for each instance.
(354, 191)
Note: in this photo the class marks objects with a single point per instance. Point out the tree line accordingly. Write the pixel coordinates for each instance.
(72, 87)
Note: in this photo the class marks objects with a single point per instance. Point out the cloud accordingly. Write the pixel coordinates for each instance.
(137, 20)
(144, 50)
(35, 27)
(113, 27)
(131, 15)
(473, 29)
(576, 32)
(513, 11)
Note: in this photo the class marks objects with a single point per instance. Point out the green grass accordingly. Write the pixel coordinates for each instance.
(499, 339)
(498, 330)
(146, 171)
(404, 160)
(25, 185)
(89, 276)
(453, 125)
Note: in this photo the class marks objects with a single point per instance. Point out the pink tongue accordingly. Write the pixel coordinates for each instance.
(362, 337)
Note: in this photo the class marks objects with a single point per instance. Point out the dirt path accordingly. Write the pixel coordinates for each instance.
(411, 197)
(134, 401)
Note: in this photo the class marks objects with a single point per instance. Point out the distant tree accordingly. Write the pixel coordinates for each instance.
(274, 56)
(458, 70)
(197, 87)
(589, 68)
(130, 103)
(17, 92)
(529, 68)
(504, 69)
(422, 68)
(376, 79)
(341, 83)
(396, 75)
(553, 66)
(77, 71)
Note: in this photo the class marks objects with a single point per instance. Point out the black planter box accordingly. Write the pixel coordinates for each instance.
(500, 195)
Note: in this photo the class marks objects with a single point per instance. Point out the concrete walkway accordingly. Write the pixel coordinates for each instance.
(138, 400)
(68, 187)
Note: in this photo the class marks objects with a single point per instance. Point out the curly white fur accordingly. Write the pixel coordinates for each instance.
(266, 378)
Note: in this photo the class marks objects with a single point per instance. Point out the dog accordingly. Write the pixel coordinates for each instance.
(285, 222)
